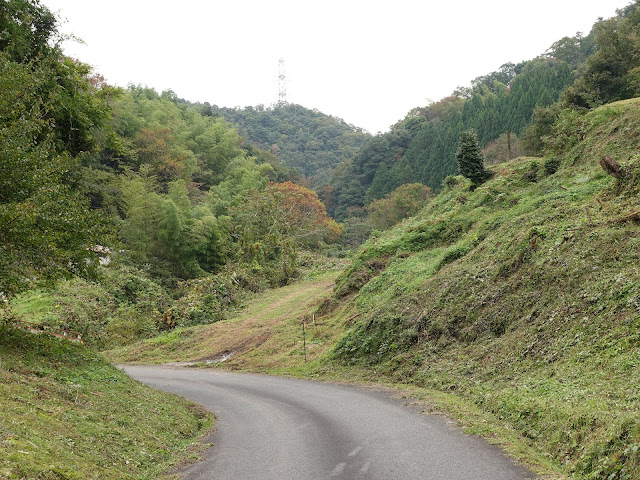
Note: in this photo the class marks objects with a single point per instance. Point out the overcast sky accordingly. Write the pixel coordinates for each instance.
(368, 62)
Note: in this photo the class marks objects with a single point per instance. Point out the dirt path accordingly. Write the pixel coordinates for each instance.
(270, 326)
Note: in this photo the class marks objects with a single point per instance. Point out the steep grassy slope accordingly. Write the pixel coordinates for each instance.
(523, 296)
(68, 414)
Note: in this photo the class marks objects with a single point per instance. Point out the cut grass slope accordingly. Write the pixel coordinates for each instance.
(68, 414)
(523, 296)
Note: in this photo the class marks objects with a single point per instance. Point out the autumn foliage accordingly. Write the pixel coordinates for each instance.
(303, 214)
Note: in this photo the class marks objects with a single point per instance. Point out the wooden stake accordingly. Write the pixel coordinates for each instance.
(304, 340)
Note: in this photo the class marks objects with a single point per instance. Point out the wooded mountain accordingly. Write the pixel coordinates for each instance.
(501, 107)
(308, 141)
(422, 146)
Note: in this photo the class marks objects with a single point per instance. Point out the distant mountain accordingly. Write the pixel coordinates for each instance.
(309, 141)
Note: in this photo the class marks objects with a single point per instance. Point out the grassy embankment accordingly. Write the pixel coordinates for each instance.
(516, 307)
(69, 414)
(266, 337)
(523, 297)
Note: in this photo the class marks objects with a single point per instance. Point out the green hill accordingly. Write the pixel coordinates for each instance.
(311, 142)
(523, 295)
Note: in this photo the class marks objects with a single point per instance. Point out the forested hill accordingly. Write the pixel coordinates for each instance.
(518, 102)
(422, 146)
(308, 141)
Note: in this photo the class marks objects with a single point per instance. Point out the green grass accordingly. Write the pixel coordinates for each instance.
(68, 414)
(36, 305)
(532, 312)
(263, 337)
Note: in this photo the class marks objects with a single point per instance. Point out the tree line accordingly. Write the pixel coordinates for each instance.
(168, 195)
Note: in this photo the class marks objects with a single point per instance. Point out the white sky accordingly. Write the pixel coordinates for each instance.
(366, 61)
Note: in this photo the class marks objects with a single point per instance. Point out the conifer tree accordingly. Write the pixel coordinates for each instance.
(470, 158)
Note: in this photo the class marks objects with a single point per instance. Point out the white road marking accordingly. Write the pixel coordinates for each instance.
(339, 469)
(355, 451)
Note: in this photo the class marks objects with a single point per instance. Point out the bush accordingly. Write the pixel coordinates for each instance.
(450, 181)
(453, 254)
(531, 175)
(551, 165)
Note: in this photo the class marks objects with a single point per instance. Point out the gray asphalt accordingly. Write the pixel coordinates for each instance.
(285, 429)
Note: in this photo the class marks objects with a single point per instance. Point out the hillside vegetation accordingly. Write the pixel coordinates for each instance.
(521, 297)
(311, 142)
(512, 110)
(68, 414)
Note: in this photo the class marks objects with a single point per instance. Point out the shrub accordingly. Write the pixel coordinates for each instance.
(551, 165)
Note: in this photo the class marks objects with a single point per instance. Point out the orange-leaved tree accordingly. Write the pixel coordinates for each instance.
(302, 215)
(274, 223)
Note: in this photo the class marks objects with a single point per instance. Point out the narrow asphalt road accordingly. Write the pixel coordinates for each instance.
(284, 429)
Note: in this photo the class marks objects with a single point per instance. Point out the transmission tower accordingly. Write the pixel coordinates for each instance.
(282, 83)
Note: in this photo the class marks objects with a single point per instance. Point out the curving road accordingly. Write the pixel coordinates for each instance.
(284, 429)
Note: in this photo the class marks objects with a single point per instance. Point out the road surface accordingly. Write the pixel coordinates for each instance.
(272, 428)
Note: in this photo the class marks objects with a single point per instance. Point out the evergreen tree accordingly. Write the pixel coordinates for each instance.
(470, 158)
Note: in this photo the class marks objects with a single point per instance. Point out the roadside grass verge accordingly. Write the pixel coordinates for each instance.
(69, 414)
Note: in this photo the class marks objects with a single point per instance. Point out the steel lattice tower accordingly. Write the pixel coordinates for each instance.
(282, 84)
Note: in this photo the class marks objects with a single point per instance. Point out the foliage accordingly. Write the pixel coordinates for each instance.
(205, 300)
(585, 70)
(470, 158)
(405, 201)
(608, 63)
(48, 110)
(423, 146)
(193, 197)
(551, 165)
(497, 151)
(610, 73)
(123, 304)
(26, 28)
(274, 223)
(175, 141)
(306, 140)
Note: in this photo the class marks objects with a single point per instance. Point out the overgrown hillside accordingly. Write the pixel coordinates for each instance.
(511, 110)
(309, 141)
(522, 295)
(68, 414)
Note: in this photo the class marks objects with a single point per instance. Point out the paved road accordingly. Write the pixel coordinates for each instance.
(284, 429)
